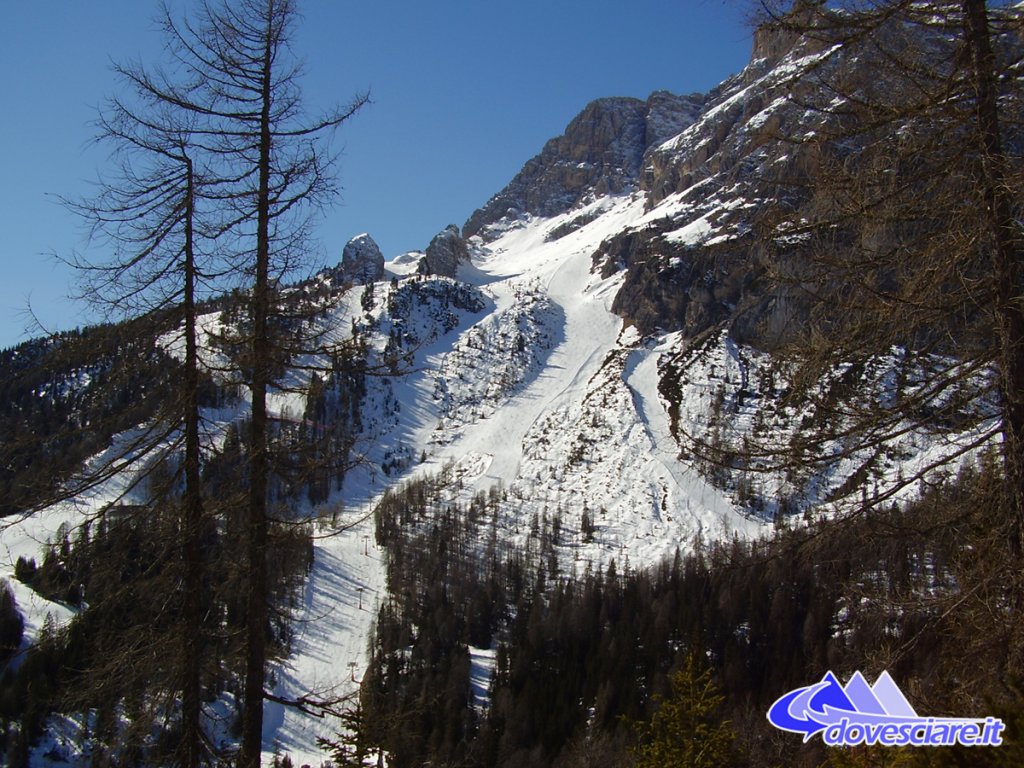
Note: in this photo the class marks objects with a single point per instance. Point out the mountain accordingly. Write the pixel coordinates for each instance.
(601, 153)
(555, 355)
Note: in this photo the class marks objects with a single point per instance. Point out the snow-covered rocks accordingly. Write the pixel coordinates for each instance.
(447, 250)
(362, 261)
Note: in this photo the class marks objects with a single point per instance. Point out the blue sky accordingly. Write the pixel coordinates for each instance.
(463, 94)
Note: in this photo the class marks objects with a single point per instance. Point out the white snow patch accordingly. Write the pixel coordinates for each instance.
(694, 233)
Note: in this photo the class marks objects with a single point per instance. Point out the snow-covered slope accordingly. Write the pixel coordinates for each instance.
(610, 303)
(542, 393)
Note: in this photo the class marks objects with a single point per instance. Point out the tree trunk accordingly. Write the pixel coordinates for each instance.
(191, 742)
(252, 713)
(1007, 258)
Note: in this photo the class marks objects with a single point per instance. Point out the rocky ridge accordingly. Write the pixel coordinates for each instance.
(446, 251)
(361, 261)
(601, 153)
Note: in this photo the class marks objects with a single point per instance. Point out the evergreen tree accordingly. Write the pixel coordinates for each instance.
(12, 625)
(686, 731)
(351, 749)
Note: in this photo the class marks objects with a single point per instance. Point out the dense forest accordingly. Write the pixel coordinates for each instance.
(116, 664)
(63, 398)
(584, 660)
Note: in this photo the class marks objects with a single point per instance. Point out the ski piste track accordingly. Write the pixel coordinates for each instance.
(332, 631)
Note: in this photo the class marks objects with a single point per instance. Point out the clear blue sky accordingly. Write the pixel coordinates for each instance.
(464, 92)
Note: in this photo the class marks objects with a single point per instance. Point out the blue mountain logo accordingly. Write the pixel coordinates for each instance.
(858, 713)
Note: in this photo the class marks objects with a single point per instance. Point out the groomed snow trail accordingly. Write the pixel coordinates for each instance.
(563, 268)
(636, 473)
(329, 648)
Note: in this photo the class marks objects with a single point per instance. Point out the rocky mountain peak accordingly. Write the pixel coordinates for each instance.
(668, 114)
(601, 152)
(444, 254)
(774, 38)
(361, 261)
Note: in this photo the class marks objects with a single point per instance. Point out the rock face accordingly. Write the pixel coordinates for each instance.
(713, 155)
(667, 114)
(361, 261)
(444, 254)
(601, 152)
(737, 138)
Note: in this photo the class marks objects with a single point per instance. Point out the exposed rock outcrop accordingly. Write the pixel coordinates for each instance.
(444, 254)
(362, 261)
(601, 152)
